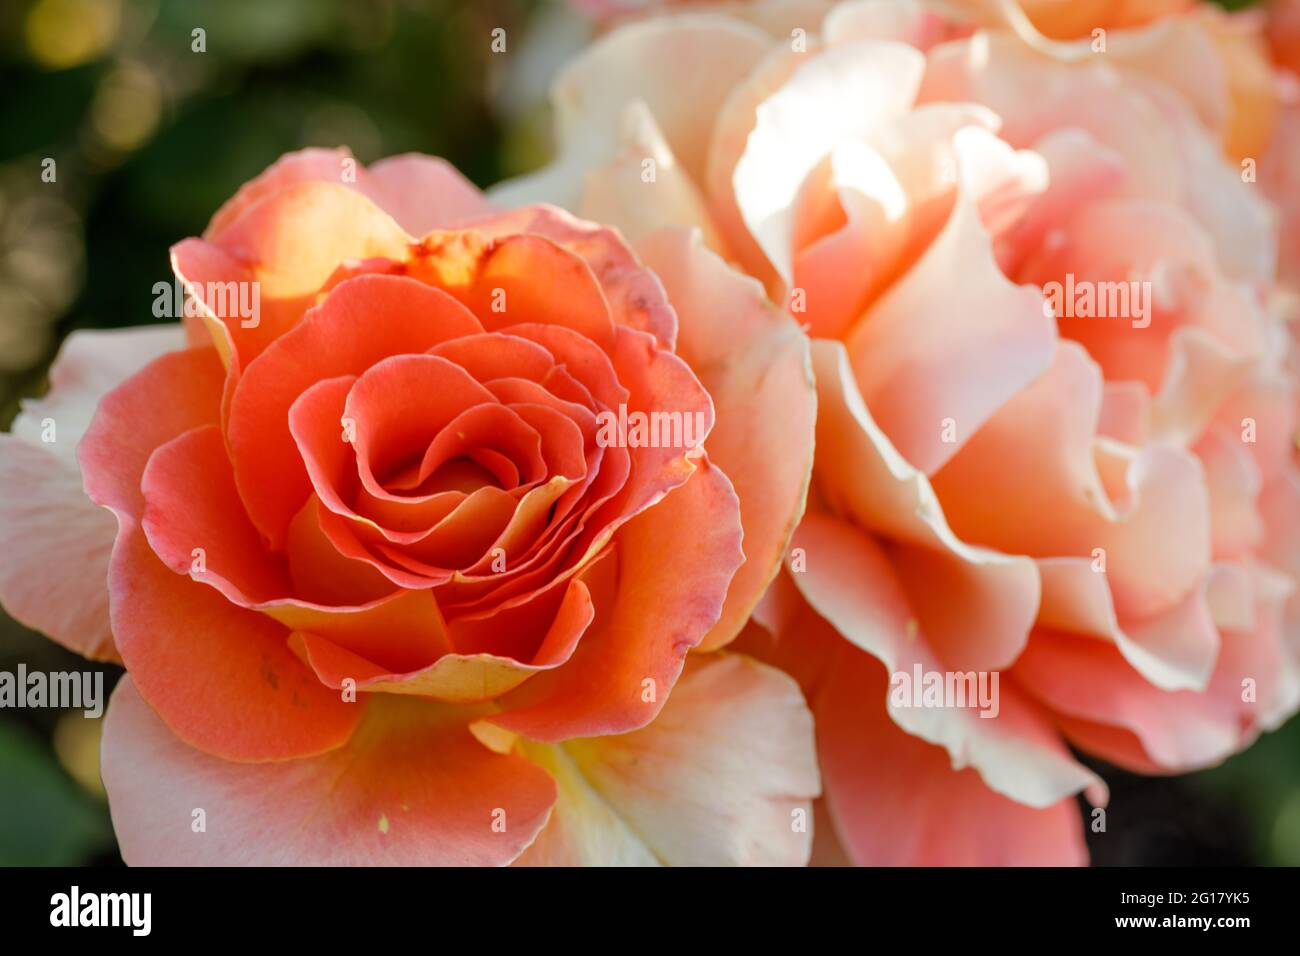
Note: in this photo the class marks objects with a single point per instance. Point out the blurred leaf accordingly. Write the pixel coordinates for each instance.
(1263, 782)
(248, 29)
(44, 819)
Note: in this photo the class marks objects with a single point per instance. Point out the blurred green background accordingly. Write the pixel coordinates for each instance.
(150, 137)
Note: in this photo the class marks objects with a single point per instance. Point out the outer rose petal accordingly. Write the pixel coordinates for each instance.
(937, 815)
(221, 676)
(1034, 95)
(709, 56)
(289, 242)
(1168, 152)
(731, 129)
(848, 581)
(1151, 518)
(60, 587)
(91, 364)
(421, 192)
(307, 165)
(862, 476)
(413, 787)
(169, 396)
(191, 651)
(716, 780)
(675, 562)
(1135, 725)
(1175, 650)
(756, 365)
(618, 193)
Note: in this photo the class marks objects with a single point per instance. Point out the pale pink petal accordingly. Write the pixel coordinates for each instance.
(838, 96)
(1234, 482)
(731, 128)
(709, 55)
(423, 193)
(862, 476)
(1144, 513)
(1035, 95)
(1108, 708)
(1175, 650)
(921, 354)
(725, 776)
(643, 188)
(56, 580)
(850, 583)
(896, 800)
(60, 586)
(90, 364)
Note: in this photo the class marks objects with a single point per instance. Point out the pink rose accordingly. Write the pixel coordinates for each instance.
(1056, 410)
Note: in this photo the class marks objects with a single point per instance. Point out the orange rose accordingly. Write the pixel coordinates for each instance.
(464, 474)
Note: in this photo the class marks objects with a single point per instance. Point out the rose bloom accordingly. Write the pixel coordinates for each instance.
(388, 478)
(1055, 434)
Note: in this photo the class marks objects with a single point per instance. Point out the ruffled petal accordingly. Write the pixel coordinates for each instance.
(622, 672)
(723, 777)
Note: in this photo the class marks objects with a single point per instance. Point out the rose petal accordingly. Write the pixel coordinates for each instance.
(518, 279)
(289, 242)
(362, 321)
(920, 353)
(755, 365)
(719, 779)
(838, 96)
(413, 787)
(60, 585)
(220, 676)
(710, 55)
(423, 193)
(898, 801)
(635, 298)
(455, 677)
(1146, 511)
(863, 477)
(621, 674)
(849, 582)
(45, 514)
